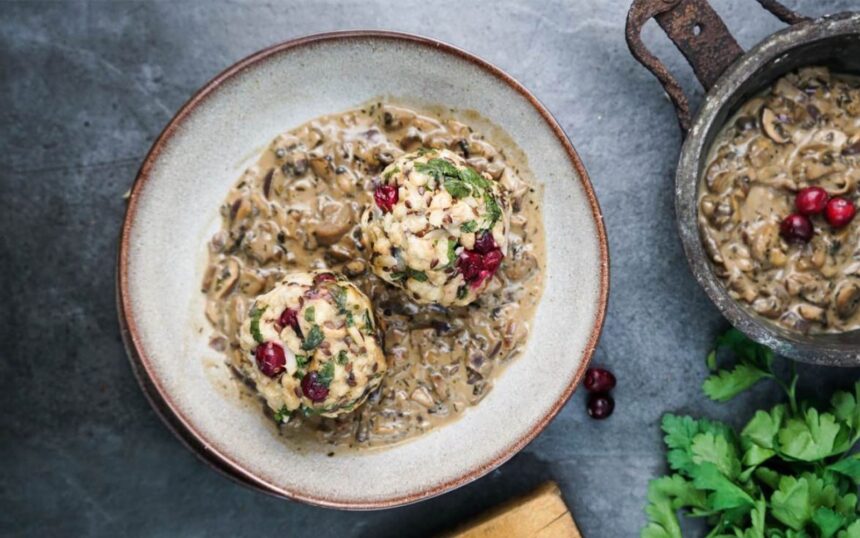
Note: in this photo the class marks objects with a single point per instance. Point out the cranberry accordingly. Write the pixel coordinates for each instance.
(839, 212)
(484, 243)
(470, 263)
(270, 358)
(312, 388)
(796, 228)
(811, 200)
(290, 318)
(323, 277)
(599, 380)
(477, 267)
(386, 196)
(600, 405)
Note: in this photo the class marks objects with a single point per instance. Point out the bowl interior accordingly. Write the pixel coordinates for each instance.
(833, 42)
(173, 211)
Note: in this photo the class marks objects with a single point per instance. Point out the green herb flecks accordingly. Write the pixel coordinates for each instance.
(302, 360)
(282, 415)
(326, 374)
(457, 188)
(368, 323)
(494, 212)
(339, 294)
(469, 226)
(349, 320)
(342, 357)
(256, 314)
(452, 252)
(313, 339)
(438, 169)
(310, 314)
(792, 471)
(420, 276)
(462, 291)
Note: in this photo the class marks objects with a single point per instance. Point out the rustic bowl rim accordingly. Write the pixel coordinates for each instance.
(773, 48)
(169, 412)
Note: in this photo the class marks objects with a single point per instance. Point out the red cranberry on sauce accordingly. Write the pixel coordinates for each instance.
(839, 212)
(481, 263)
(385, 197)
(599, 380)
(600, 405)
(811, 200)
(290, 318)
(796, 228)
(312, 388)
(270, 358)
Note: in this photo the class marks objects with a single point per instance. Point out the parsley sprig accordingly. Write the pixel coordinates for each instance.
(464, 182)
(791, 472)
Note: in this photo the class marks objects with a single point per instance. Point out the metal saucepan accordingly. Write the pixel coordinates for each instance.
(731, 76)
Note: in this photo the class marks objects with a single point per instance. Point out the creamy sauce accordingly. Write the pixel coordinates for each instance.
(803, 131)
(298, 209)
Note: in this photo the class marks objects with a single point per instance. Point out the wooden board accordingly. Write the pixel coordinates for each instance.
(541, 514)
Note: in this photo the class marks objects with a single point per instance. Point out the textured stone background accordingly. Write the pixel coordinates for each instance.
(85, 88)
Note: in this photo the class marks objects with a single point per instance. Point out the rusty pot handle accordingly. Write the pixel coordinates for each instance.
(700, 35)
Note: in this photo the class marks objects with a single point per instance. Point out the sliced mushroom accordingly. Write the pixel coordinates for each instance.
(226, 278)
(773, 128)
(811, 312)
(337, 219)
(769, 307)
(847, 300)
(422, 396)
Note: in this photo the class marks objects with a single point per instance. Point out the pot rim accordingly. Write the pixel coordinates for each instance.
(773, 49)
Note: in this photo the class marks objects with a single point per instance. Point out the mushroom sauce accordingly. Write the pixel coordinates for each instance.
(804, 131)
(298, 208)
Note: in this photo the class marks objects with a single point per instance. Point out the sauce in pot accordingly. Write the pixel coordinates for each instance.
(787, 259)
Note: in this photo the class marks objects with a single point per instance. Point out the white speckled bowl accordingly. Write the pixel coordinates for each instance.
(173, 210)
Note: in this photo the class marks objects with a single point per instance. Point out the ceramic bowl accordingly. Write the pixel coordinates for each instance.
(173, 210)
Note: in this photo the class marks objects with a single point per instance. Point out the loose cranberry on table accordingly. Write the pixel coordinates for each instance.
(599, 380)
(811, 200)
(313, 388)
(839, 212)
(600, 405)
(385, 197)
(796, 228)
(270, 358)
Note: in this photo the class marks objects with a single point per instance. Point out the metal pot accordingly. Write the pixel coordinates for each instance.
(731, 76)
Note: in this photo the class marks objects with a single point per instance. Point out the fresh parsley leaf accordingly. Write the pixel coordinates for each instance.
(666, 496)
(302, 361)
(849, 467)
(342, 357)
(716, 449)
(471, 177)
(256, 314)
(790, 503)
(729, 383)
(680, 432)
(469, 226)
(457, 188)
(828, 522)
(313, 339)
(437, 168)
(310, 314)
(325, 375)
(725, 493)
(758, 438)
(809, 438)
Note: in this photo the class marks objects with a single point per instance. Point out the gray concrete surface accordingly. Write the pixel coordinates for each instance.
(85, 88)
